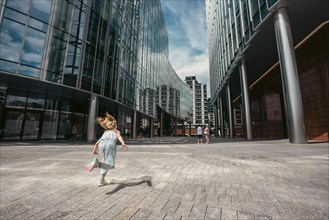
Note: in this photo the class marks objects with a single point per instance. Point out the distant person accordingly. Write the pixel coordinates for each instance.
(218, 134)
(107, 147)
(199, 133)
(206, 134)
(74, 133)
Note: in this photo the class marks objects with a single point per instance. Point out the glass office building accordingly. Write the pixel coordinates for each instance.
(65, 62)
(269, 63)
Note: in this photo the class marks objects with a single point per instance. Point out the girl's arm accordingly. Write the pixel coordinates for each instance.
(123, 145)
(96, 147)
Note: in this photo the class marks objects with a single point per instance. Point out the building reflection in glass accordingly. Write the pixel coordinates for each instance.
(114, 50)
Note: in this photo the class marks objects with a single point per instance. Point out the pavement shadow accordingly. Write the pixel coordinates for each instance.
(317, 142)
(130, 182)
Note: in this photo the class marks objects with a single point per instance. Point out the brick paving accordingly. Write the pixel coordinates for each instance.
(225, 180)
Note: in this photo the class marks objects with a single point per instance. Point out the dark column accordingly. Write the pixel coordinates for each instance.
(245, 99)
(152, 127)
(229, 109)
(175, 126)
(216, 118)
(290, 81)
(161, 123)
(221, 115)
(93, 111)
(135, 123)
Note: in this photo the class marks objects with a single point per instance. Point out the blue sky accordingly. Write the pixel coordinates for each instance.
(187, 32)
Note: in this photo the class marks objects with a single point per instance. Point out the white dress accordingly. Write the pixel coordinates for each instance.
(108, 150)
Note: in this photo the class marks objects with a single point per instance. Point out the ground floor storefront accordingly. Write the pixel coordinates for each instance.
(268, 112)
(35, 110)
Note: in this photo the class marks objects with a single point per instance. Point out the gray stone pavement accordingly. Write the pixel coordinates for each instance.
(225, 180)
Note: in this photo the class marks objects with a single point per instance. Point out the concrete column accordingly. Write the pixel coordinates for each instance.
(134, 131)
(175, 127)
(290, 81)
(245, 99)
(93, 111)
(152, 127)
(221, 115)
(229, 109)
(161, 124)
(190, 128)
(216, 118)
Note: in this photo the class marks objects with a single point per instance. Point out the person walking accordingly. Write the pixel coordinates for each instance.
(206, 134)
(106, 147)
(199, 133)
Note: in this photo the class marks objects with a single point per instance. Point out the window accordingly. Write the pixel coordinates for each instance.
(33, 48)
(11, 38)
(41, 9)
(19, 5)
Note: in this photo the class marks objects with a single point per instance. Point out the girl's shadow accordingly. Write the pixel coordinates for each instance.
(130, 182)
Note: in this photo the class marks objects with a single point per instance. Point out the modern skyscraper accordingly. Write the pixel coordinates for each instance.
(65, 62)
(199, 101)
(269, 60)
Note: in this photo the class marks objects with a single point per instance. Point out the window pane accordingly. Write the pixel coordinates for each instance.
(15, 101)
(52, 102)
(64, 129)
(33, 48)
(271, 3)
(11, 36)
(13, 124)
(36, 101)
(31, 125)
(38, 25)
(62, 18)
(8, 66)
(56, 56)
(41, 9)
(14, 15)
(49, 127)
(29, 71)
(19, 5)
(79, 123)
(3, 93)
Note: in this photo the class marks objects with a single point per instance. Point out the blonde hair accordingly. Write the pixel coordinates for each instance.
(104, 122)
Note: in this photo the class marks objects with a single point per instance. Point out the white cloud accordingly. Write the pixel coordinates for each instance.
(188, 48)
(198, 66)
(194, 25)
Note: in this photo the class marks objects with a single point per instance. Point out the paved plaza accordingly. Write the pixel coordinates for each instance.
(225, 180)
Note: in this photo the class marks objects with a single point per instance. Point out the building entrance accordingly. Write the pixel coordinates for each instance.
(21, 125)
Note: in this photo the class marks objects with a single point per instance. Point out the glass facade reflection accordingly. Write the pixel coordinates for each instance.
(231, 26)
(115, 51)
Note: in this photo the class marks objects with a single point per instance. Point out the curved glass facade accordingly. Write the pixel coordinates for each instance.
(115, 51)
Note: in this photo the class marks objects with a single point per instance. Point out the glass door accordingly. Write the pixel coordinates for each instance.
(31, 128)
(13, 124)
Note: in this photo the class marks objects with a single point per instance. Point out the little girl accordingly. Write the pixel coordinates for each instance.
(107, 147)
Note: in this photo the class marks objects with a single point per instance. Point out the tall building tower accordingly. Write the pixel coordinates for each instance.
(199, 101)
(268, 64)
(65, 62)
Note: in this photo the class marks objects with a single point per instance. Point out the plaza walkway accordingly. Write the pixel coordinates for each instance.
(167, 179)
